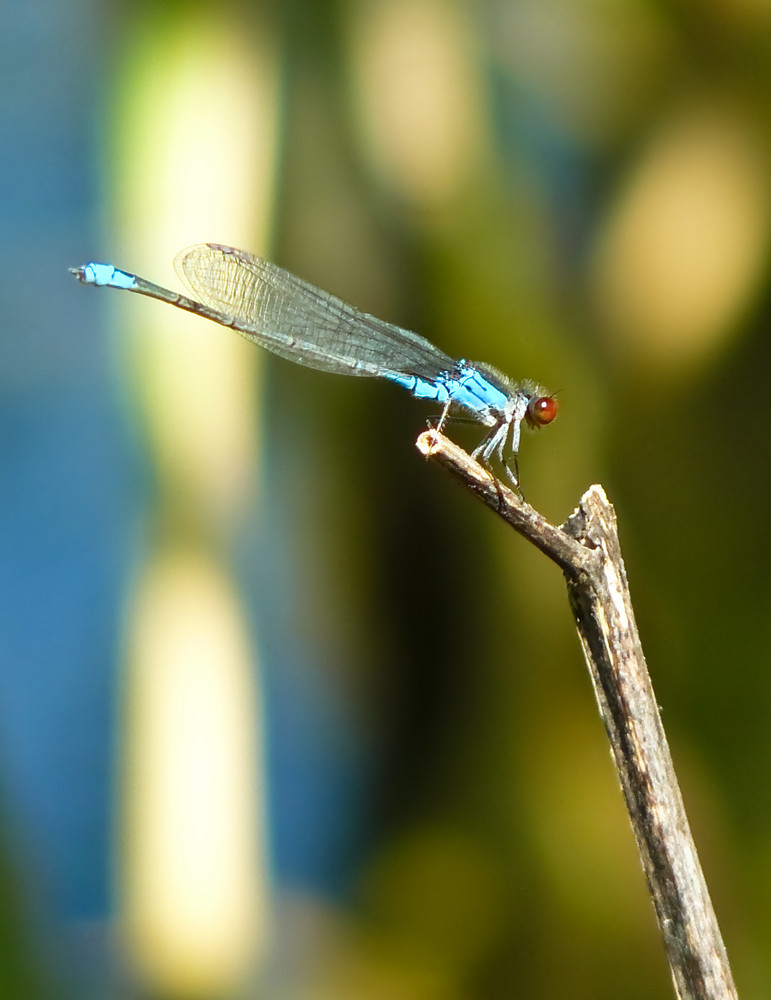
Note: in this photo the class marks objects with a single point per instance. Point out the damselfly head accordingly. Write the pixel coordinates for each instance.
(541, 410)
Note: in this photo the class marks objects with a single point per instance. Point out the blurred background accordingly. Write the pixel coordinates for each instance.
(283, 712)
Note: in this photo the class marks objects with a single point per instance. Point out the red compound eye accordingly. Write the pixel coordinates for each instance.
(542, 411)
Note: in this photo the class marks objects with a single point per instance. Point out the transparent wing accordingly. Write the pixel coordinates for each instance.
(300, 322)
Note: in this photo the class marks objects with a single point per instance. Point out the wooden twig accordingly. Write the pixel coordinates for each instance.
(587, 550)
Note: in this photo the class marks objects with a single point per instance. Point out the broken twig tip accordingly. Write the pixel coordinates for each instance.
(428, 443)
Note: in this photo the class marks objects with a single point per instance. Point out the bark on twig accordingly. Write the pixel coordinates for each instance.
(587, 550)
